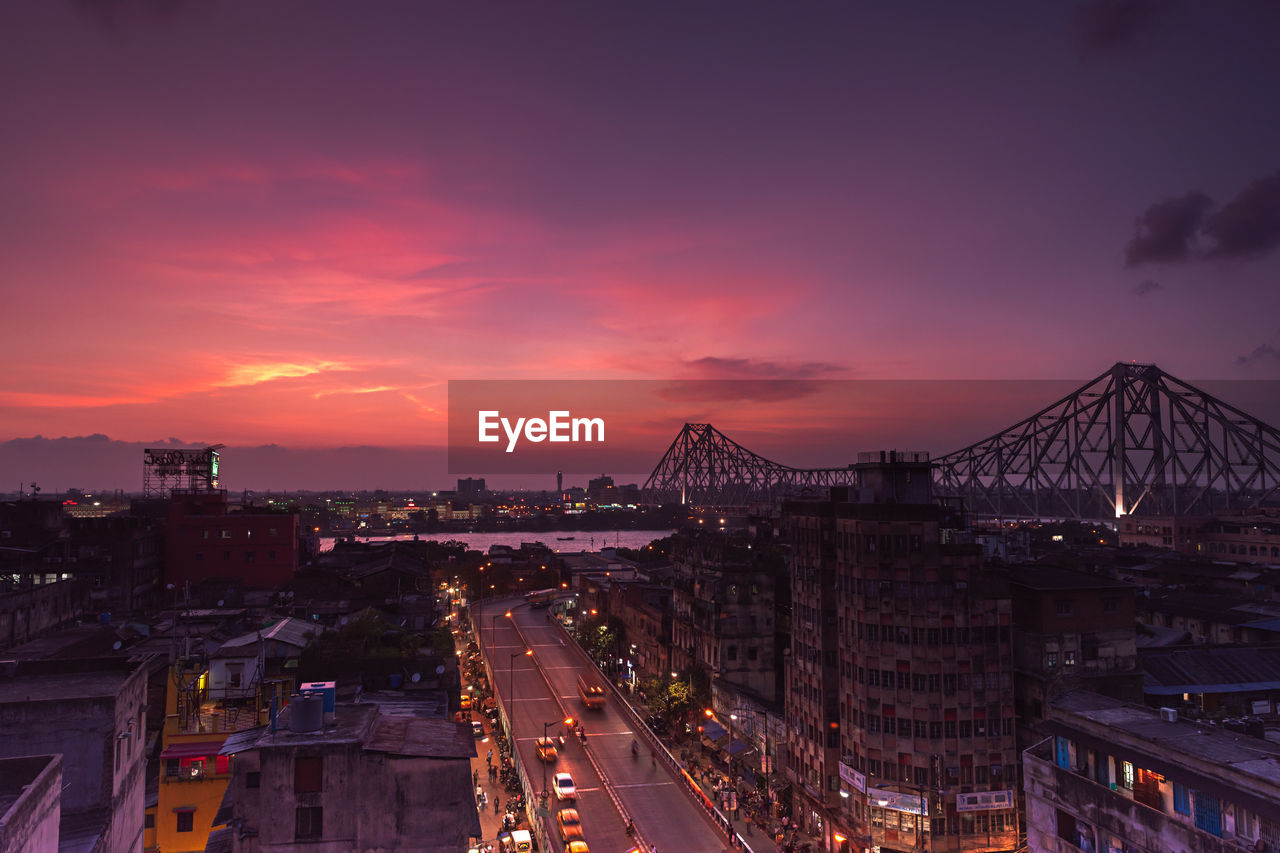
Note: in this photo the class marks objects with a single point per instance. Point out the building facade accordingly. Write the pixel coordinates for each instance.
(365, 780)
(205, 539)
(1118, 777)
(93, 713)
(914, 748)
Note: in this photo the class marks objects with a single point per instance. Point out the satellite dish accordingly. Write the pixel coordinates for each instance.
(343, 620)
(417, 676)
(221, 602)
(440, 669)
(116, 645)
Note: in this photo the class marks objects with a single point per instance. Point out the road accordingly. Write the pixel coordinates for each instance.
(541, 689)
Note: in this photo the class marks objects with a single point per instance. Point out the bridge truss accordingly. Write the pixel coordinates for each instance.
(1133, 440)
(704, 467)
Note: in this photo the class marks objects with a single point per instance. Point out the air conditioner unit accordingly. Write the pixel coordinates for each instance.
(1169, 715)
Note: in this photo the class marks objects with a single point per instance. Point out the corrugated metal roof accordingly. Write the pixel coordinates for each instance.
(1220, 669)
(240, 741)
(220, 841)
(294, 632)
(414, 736)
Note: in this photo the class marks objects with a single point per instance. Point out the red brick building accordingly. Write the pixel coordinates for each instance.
(207, 538)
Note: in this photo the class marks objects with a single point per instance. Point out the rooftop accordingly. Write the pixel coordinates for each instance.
(61, 686)
(1214, 669)
(394, 731)
(1225, 750)
(1047, 578)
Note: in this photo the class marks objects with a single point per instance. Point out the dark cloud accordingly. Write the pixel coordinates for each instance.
(1261, 353)
(1147, 288)
(1099, 25)
(737, 390)
(1167, 231)
(748, 380)
(1249, 224)
(714, 367)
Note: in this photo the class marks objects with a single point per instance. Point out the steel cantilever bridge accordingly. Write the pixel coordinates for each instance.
(1133, 440)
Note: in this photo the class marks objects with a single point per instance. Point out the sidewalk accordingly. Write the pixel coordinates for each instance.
(487, 753)
(490, 822)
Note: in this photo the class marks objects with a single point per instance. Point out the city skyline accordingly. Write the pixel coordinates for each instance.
(261, 227)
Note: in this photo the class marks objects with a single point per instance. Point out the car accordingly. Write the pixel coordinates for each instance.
(465, 702)
(546, 749)
(564, 787)
(477, 728)
(577, 846)
(570, 825)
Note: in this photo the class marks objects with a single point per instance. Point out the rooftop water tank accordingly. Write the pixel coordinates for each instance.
(306, 712)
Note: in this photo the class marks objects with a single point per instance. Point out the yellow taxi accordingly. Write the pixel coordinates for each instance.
(546, 748)
(570, 825)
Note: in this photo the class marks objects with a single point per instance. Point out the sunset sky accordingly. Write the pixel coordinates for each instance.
(292, 223)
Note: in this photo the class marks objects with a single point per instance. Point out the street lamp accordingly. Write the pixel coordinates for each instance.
(493, 636)
(567, 721)
(511, 682)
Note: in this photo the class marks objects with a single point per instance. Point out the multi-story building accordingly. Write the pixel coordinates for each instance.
(1071, 631)
(1118, 777)
(92, 712)
(1233, 538)
(122, 555)
(644, 609)
(724, 608)
(900, 693)
(193, 776)
(365, 780)
(205, 539)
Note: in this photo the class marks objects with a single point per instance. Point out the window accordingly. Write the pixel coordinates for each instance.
(1064, 606)
(1181, 798)
(223, 764)
(309, 822)
(224, 534)
(1051, 660)
(186, 820)
(1110, 605)
(1126, 774)
(149, 821)
(308, 774)
(249, 556)
(1069, 658)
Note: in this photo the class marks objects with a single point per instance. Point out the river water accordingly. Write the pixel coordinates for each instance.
(560, 541)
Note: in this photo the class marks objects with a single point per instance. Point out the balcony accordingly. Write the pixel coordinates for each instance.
(1108, 813)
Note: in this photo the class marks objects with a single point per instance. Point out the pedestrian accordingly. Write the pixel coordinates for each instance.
(495, 806)
(489, 757)
(475, 777)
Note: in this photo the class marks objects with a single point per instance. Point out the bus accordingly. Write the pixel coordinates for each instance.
(591, 693)
(540, 598)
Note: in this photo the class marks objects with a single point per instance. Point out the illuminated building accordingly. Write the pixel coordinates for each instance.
(900, 679)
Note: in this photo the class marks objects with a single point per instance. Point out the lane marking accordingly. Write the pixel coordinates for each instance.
(645, 785)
